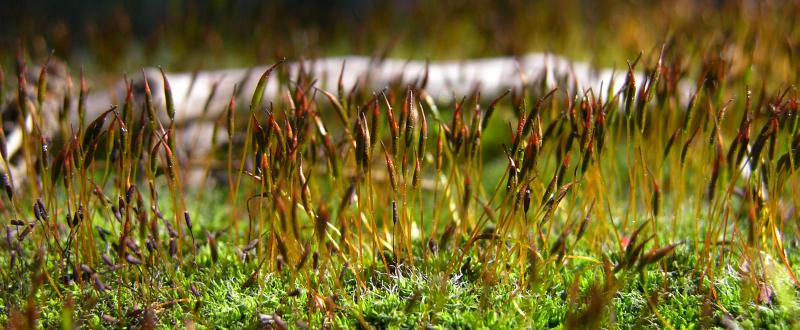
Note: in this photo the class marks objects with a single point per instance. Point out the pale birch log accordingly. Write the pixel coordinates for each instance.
(446, 79)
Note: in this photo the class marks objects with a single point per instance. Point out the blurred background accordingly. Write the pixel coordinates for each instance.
(116, 36)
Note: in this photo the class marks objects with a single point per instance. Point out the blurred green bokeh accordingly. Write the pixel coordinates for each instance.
(184, 35)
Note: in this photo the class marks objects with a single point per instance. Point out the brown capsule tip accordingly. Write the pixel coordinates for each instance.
(187, 219)
(133, 260)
